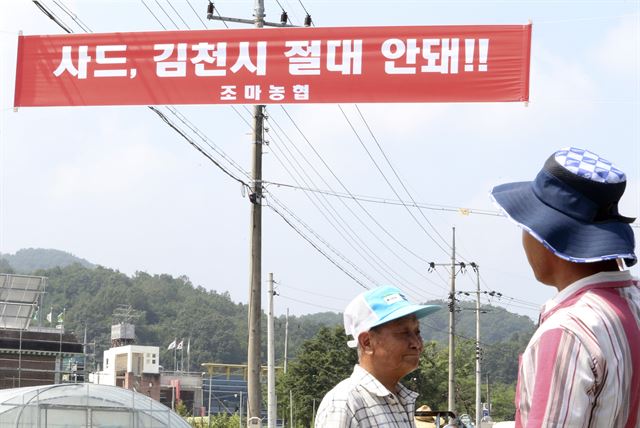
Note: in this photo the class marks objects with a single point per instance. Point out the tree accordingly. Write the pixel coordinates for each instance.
(322, 362)
(503, 402)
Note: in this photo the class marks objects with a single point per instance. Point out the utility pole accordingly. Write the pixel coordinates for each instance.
(255, 293)
(452, 329)
(452, 321)
(476, 268)
(271, 377)
(255, 197)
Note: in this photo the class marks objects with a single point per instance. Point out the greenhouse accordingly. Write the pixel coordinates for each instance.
(83, 405)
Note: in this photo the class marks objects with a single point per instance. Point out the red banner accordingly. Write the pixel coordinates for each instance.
(276, 66)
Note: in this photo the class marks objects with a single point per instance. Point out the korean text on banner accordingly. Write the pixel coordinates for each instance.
(276, 66)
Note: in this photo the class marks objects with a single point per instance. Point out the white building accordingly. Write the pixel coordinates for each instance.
(132, 367)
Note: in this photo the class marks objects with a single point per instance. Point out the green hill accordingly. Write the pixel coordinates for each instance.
(28, 260)
(175, 308)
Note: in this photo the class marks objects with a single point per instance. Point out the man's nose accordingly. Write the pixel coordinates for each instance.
(416, 341)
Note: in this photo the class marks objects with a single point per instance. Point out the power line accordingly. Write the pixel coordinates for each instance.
(196, 14)
(168, 121)
(52, 16)
(350, 194)
(153, 14)
(335, 223)
(358, 218)
(179, 16)
(314, 304)
(324, 241)
(72, 15)
(387, 201)
(387, 180)
(286, 220)
(395, 172)
(167, 15)
(338, 221)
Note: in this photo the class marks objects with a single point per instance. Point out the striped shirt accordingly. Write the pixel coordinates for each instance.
(362, 401)
(582, 366)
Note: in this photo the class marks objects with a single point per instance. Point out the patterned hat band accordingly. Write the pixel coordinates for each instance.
(567, 192)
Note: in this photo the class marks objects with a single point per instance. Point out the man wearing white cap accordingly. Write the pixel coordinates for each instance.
(386, 332)
(582, 366)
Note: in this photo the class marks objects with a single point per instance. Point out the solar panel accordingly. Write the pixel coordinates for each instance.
(19, 295)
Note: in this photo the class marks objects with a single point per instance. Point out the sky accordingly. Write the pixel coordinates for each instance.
(118, 187)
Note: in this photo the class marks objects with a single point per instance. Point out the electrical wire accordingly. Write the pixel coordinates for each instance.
(347, 233)
(349, 193)
(387, 180)
(168, 121)
(167, 15)
(153, 14)
(72, 15)
(395, 172)
(340, 221)
(326, 243)
(358, 218)
(179, 16)
(196, 14)
(386, 201)
(52, 16)
(299, 232)
(314, 304)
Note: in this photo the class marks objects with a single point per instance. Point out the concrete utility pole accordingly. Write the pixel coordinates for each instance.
(452, 321)
(452, 329)
(271, 357)
(255, 291)
(478, 373)
(255, 268)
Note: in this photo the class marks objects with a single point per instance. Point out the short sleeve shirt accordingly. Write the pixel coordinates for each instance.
(362, 401)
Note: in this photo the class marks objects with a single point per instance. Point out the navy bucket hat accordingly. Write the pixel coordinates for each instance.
(572, 207)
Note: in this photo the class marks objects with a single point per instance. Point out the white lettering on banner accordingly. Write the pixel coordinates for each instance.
(439, 55)
(210, 53)
(166, 68)
(351, 56)
(101, 58)
(304, 57)
(301, 92)
(254, 92)
(244, 59)
(447, 57)
(66, 63)
(276, 93)
(394, 49)
(228, 92)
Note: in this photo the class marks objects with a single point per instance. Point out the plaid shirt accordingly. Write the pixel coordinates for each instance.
(582, 366)
(362, 401)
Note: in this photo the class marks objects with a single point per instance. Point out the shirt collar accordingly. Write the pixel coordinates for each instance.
(571, 289)
(374, 386)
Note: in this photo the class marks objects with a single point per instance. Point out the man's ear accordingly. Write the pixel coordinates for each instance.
(364, 341)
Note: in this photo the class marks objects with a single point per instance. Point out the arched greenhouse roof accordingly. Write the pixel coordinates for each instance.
(74, 405)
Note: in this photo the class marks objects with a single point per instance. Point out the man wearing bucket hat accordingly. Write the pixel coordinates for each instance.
(582, 365)
(386, 333)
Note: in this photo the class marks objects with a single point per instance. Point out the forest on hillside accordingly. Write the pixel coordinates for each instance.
(173, 307)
